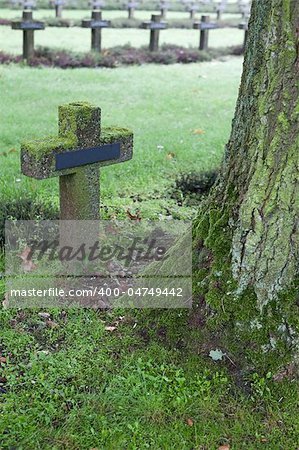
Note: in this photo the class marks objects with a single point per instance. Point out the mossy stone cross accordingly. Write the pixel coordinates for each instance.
(75, 156)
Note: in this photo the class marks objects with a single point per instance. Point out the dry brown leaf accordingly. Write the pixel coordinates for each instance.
(25, 254)
(286, 372)
(136, 216)
(51, 324)
(170, 155)
(5, 302)
(27, 264)
(190, 422)
(2, 359)
(198, 131)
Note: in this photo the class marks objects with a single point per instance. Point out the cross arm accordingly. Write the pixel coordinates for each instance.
(243, 26)
(92, 23)
(40, 158)
(205, 26)
(27, 25)
(149, 25)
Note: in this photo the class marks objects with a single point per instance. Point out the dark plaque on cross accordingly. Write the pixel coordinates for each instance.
(204, 26)
(28, 26)
(75, 156)
(154, 25)
(96, 23)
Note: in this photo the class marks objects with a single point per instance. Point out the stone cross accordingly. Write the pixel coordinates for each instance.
(244, 26)
(28, 26)
(131, 9)
(96, 23)
(75, 156)
(15, 3)
(204, 26)
(154, 25)
(164, 5)
(244, 8)
(58, 4)
(220, 8)
(96, 4)
(28, 4)
(192, 8)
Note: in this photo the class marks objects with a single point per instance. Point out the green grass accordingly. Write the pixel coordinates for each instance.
(141, 98)
(149, 384)
(79, 386)
(78, 39)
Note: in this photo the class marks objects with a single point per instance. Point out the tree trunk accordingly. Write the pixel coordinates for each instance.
(247, 233)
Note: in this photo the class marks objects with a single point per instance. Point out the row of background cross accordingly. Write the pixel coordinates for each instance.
(190, 5)
(96, 23)
(98, 4)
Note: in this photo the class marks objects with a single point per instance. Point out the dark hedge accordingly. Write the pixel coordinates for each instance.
(118, 56)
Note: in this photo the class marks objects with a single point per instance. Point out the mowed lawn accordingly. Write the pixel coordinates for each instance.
(113, 14)
(78, 39)
(180, 115)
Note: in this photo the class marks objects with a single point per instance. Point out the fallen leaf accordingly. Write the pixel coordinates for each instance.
(224, 447)
(3, 380)
(286, 372)
(25, 254)
(190, 422)
(5, 302)
(110, 328)
(44, 315)
(170, 155)
(136, 217)
(27, 264)
(2, 359)
(198, 131)
(216, 355)
(51, 324)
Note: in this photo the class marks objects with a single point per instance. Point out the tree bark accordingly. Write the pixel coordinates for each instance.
(247, 233)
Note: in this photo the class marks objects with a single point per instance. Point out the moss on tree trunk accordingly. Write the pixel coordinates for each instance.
(247, 233)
